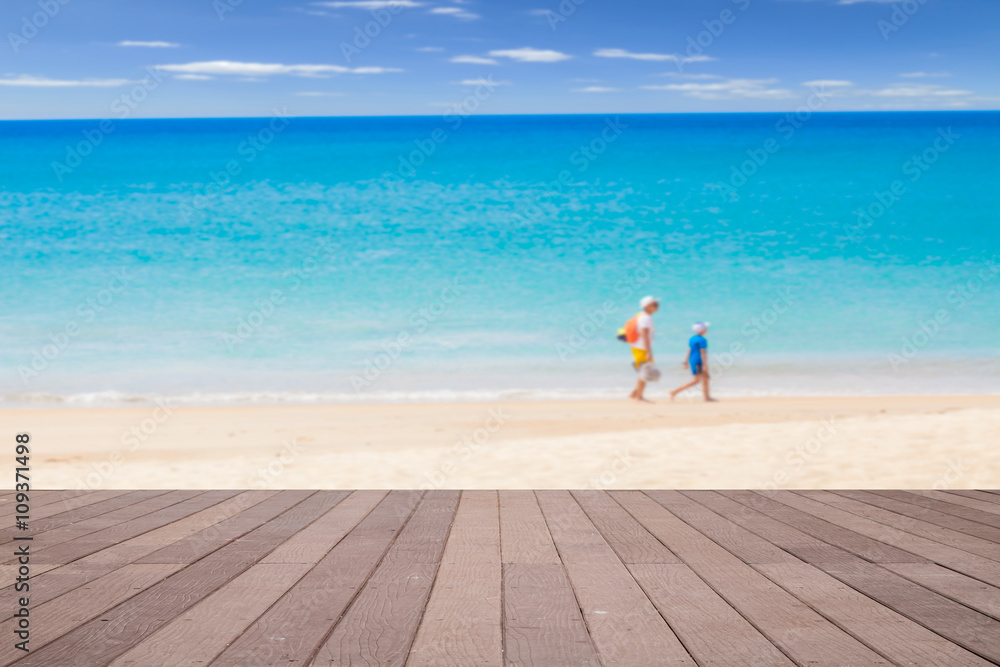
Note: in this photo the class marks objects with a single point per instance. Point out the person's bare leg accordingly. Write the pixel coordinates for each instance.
(704, 388)
(640, 387)
(690, 384)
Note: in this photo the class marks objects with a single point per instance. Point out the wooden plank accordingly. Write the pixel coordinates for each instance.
(891, 634)
(295, 626)
(969, 544)
(793, 627)
(315, 541)
(197, 635)
(943, 506)
(926, 515)
(958, 499)
(850, 541)
(963, 561)
(100, 641)
(88, 568)
(963, 626)
(51, 500)
(63, 531)
(205, 541)
(142, 545)
(462, 621)
(51, 620)
(712, 631)
(56, 504)
(381, 623)
(542, 621)
(203, 631)
(80, 514)
(624, 626)
(955, 585)
(985, 496)
(977, 499)
(745, 545)
(626, 536)
(524, 537)
(115, 534)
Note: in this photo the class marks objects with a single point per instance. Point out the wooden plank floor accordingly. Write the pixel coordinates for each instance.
(547, 578)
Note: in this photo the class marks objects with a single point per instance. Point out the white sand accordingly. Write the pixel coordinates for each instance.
(842, 442)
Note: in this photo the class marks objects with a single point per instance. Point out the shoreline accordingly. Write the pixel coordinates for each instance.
(796, 442)
(223, 400)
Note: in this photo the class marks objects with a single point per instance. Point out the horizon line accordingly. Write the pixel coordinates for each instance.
(494, 115)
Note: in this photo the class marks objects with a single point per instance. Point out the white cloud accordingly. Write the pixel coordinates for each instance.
(231, 68)
(42, 82)
(595, 89)
(679, 75)
(457, 12)
(474, 60)
(375, 70)
(828, 83)
(370, 4)
(193, 77)
(151, 45)
(729, 89)
(924, 75)
(429, 49)
(918, 90)
(529, 55)
(481, 81)
(659, 57)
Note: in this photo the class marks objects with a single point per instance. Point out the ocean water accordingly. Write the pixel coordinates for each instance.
(448, 258)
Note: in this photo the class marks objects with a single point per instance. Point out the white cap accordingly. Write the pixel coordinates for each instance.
(700, 327)
(648, 301)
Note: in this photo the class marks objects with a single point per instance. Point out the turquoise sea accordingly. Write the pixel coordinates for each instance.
(440, 258)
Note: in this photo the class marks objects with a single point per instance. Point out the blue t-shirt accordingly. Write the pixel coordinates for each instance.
(697, 344)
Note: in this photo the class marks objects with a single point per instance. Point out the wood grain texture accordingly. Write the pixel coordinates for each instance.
(542, 621)
(944, 507)
(624, 625)
(295, 626)
(925, 514)
(747, 546)
(382, 621)
(524, 535)
(462, 622)
(60, 579)
(712, 631)
(955, 585)
(965, 498)
(136, 578)
(202, 632)
(984, 496)
(101, 641)
(963, 626)
(146, 516)
(66, 519)
(797, 630)
(54, 619)
(315, 541)
(193, 547)
(815, 527)
(626, 536)
(896, 637)
(915, 536)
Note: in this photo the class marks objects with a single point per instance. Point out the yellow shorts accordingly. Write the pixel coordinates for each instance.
(641, 356)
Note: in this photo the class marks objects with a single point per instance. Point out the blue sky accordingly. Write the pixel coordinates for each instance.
(92, 58)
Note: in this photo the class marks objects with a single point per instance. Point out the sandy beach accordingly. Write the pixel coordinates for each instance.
(840, 442)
